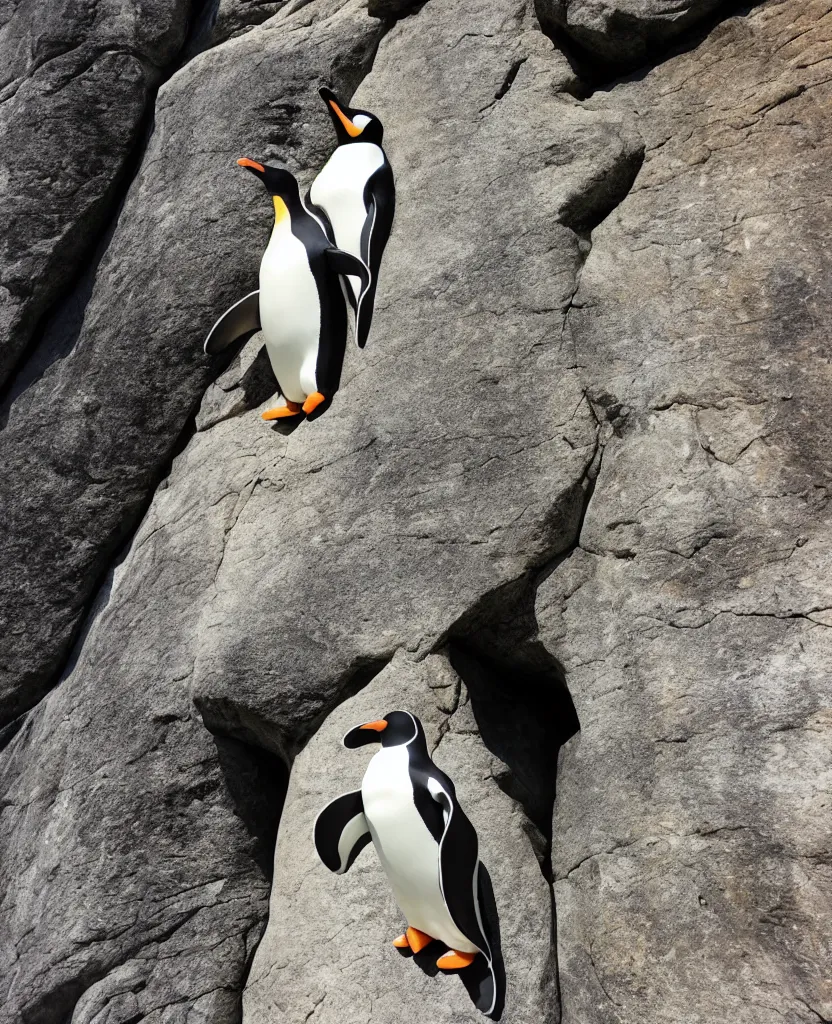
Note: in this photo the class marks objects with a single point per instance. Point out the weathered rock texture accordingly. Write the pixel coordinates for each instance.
(585, 452)
(74, 86)
(692, 824)
(622, 31)
(120, 377)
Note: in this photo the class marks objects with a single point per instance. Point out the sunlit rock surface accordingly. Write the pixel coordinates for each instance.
(570, 505)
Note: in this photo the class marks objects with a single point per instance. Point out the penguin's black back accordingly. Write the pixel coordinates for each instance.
(332, 340)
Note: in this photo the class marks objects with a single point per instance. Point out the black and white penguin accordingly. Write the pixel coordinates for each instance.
(356, 191)
(300, 305)
(427, 846)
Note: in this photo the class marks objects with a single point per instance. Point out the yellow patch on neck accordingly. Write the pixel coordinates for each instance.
(281, 210)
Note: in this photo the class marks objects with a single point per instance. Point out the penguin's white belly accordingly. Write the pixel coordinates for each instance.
(339, 191)
(290, 313)
(408, 852)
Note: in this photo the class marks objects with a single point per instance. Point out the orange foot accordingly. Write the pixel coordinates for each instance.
(313, 401)
(452, 960)
(281, 411)
(401, 942)
(415, 939)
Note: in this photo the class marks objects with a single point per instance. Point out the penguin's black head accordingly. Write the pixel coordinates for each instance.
(391, 731)
(279, 182)
(351, 124)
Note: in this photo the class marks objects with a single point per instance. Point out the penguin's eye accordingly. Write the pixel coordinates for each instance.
(361, 121)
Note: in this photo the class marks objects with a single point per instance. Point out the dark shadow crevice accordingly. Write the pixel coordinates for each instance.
(256, 760)
(518, 689)
(524, 712)
(257, 781)
(596, 59)
(225, 717)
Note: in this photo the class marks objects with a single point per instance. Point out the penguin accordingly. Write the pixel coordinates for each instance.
(356, 191)
(427, 846)
(300, 305)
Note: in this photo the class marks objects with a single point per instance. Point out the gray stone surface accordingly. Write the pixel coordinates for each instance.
(82, 72)
(621, 32)
(575, 448)
(247, 383)
(692, 828)
(136, 846)
(312, 616)
(327, 949)
(123, 370)
(382, 535)
(220, 20)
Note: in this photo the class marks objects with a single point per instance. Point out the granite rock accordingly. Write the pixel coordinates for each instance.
(692, 620)
(121, 372)
(84, 73)
(579, 478)
(613, 34)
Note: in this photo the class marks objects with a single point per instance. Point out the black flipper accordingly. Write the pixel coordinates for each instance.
(341, 832)
(241, 318)
(458, 879)
(347, 265)
(380, 201)
(319, 214)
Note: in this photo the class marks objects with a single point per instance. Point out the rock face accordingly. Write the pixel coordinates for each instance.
(692, 827)
(123, 370)
(83, 73)
(572, 497)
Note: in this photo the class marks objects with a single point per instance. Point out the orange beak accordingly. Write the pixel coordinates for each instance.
(245, 162)
(378, 726)
(349, 127)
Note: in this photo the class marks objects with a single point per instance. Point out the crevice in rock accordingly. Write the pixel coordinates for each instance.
(12, 728)
(521, 702)
(518, 690)
(524, 712)
(205, 34)
(586, 210)
(507, 83)
(601, 194)
(256, 761)
(598, 72)
(394, 11)
(256, 780)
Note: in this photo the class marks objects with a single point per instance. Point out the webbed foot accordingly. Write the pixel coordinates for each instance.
(313, 401)
(453, 960)
(282, 411)
(417, 940)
